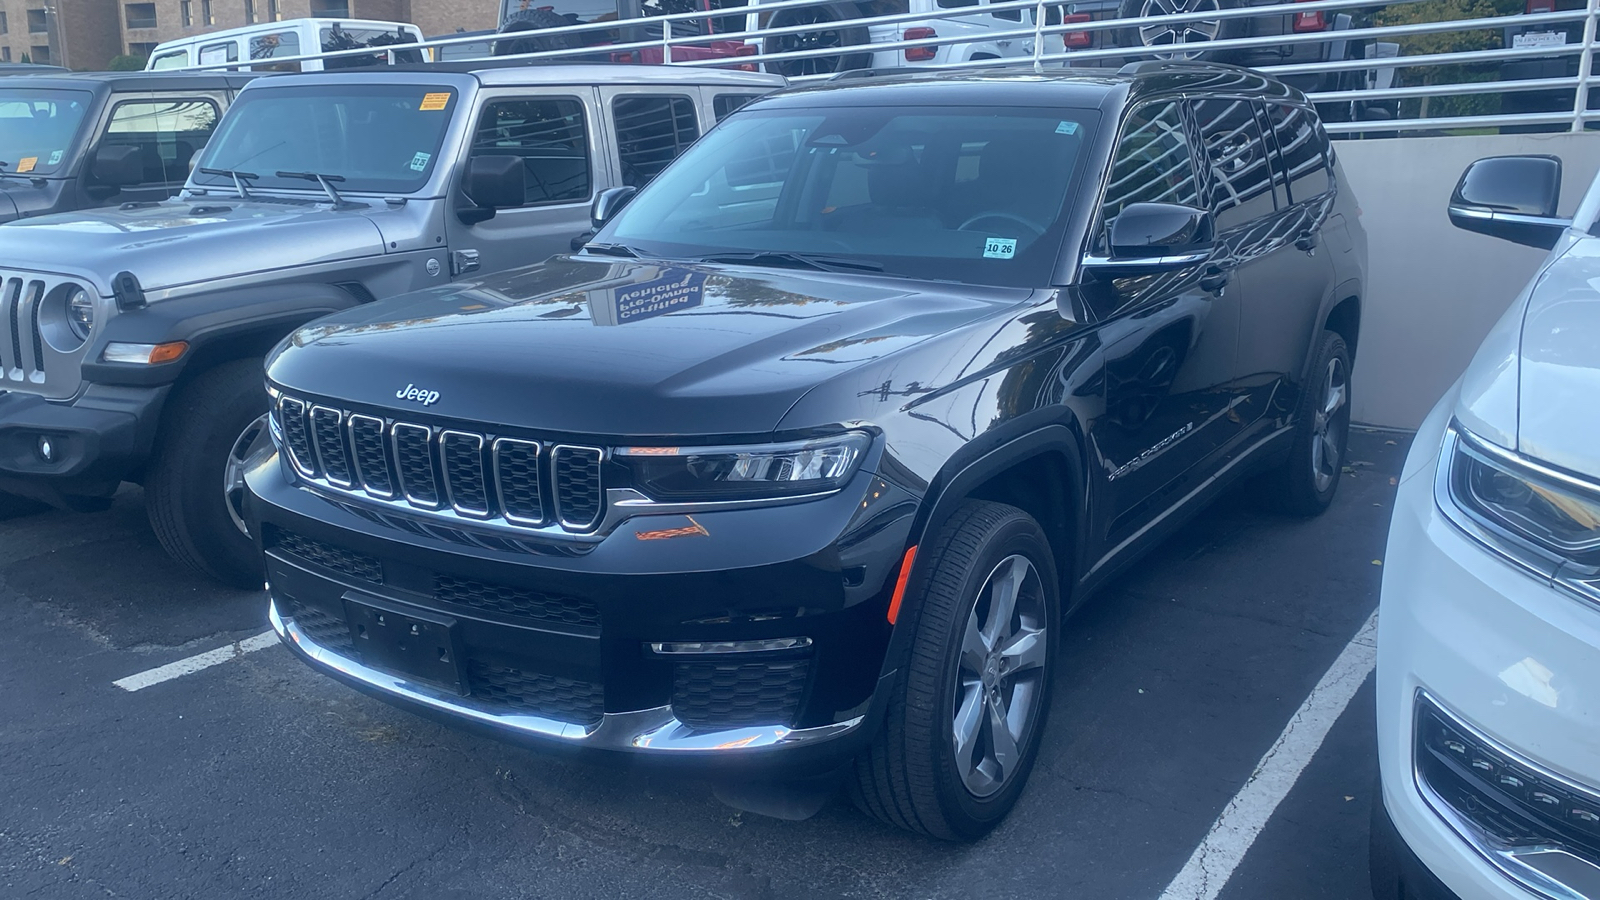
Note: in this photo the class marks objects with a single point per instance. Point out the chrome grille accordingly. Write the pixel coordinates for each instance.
(452, 473)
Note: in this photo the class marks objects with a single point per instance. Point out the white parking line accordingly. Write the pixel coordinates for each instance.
(1214, 861)
(195, 663)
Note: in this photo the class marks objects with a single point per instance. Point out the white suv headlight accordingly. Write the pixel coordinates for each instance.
(1519, 499)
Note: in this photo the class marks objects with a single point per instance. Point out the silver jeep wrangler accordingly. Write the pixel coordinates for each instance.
(131, 338)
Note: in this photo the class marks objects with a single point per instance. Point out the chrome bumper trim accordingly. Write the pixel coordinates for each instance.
(654, 730)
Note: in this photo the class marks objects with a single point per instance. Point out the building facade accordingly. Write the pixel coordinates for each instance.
(81, 34)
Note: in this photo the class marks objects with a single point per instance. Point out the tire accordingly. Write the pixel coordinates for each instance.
(1151, 36)
(913, 775)
(191, 513)
(831, 31)
(1304, 484)
(14, 507)
(535, 20)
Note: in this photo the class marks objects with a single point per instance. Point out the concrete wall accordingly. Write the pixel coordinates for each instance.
(1435, 290)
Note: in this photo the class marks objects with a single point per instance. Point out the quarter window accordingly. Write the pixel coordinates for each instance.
(1303, 150)
(724, 105)
(651, 132)
(1236, 159)
(279, 45)
(1153, 164)
(168, 134)
(549, 136)
(174, 60)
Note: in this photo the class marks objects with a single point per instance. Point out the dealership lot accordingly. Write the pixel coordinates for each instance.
(258, 778)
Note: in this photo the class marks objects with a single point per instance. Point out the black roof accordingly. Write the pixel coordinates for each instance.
(1020, 85)
(61, 79)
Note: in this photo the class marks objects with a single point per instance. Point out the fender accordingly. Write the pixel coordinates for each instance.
(968, 469)
(218, 326)
(1350, 287)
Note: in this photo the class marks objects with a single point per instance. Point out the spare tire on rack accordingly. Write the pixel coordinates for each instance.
(535, 20)
(832, 29)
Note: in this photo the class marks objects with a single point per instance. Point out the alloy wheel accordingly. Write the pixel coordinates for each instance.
(233, 473)
(1325, 452)
(1178, 33)
(999, 676)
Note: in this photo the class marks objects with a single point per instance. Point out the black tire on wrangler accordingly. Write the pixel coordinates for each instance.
(967, 654)
(1304, 484)
(184, 494)
(535, 20)
(833, 28)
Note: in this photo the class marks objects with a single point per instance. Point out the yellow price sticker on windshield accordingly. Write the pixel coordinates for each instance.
(27, 164)
(434, 102)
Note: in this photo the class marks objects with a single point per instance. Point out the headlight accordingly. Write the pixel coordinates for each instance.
(80, 313)
(757, 471)
(1555, 512)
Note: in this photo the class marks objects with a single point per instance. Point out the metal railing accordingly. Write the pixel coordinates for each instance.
(1336, 65)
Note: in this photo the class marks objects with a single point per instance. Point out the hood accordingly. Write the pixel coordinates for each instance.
(623, 347)
(188, 242)
(1539, 364)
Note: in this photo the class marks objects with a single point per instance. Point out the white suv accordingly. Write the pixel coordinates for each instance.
(1489, 637)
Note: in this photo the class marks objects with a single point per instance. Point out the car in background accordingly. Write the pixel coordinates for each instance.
(524, 23)
(468, 50)
(255, 47)
(792, 473)
(1528, 37)
(73, 141)
(1489, 621)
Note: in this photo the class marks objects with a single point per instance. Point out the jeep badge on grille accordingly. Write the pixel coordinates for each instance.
(418, 395)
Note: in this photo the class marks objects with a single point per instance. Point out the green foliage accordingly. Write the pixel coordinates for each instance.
(1449, 42)
(126, 63)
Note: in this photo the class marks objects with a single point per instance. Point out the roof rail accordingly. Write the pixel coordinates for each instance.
(864, 73)
(1146, 66)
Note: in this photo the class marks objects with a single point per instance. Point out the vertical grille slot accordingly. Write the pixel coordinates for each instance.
(13, 318)
(413, 460)
(516, 474)
(370, 458)
(8, 296)
(327, 432)
(576, 477)
(292, 418)
(464, 475)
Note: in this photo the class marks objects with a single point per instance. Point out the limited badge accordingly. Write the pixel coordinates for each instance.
(419, 162)
(999, 248)
(27, 164)
(434, 102)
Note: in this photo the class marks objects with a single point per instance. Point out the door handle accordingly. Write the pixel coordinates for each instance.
(1216, 278)
(1307, 241)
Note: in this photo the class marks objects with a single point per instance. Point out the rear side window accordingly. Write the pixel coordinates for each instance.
(1303, 151)
(174, 60)
(1153, 163)
(267, 47)
(168, 134)
(550, 137)
(651, 132)
(216, 54)
(723, 105)
(1236, 159)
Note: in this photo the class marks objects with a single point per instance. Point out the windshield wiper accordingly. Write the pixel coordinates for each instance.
(777, 259)
(35, 181)
(612, 250)
(239, 178)
(327, 186)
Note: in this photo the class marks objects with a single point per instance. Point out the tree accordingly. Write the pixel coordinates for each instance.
(1450, 42)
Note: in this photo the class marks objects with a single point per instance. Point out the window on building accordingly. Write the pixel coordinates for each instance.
(206, 16)
(549, 136)
(651, 132)
(5, 24)
(140, 15)
(330, 9)
(38, 22)
(273, 13)
(168, 134)
(186, 13)
(40, 54)
(141, 48)
(5, 54)
(249, 12)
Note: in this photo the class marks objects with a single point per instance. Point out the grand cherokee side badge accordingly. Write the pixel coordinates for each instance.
(418, 395)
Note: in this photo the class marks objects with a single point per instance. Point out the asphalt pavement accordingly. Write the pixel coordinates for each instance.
(259, 778)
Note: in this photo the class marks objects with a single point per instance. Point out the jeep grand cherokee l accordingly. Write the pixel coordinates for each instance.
(798, 465)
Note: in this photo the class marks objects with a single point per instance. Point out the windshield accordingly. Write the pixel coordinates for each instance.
(37, 128)
(378, 138)
(973, 195)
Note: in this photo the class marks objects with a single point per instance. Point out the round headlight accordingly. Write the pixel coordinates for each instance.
(80, 313)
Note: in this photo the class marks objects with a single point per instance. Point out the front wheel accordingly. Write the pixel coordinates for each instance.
(968, 707)
(195, 491)
(1306, 482)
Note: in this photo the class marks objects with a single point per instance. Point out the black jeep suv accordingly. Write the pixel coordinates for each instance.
(797, 466)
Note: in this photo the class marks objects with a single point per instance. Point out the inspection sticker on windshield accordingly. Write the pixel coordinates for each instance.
(26, 164)
(1067, 128)
(999, 248)
(420, 161)
(55, 158)
(434, 102)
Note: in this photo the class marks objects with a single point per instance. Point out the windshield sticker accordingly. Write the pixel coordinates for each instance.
(1067, 128)
(55, 158)
(999, 248)
(420, 161)
(27, 164)
(434, 102)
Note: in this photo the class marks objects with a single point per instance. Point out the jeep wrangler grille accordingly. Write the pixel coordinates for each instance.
(459, 474)
(21, 343)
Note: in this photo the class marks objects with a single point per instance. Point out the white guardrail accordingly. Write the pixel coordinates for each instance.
(1348, 65)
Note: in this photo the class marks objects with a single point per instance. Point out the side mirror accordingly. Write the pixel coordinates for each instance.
(1513, 198)
(495, 182)
(608, 203)
(117, 165)
(1155, 237)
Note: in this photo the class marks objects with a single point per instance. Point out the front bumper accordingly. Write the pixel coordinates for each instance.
(98, 441)
(555, 642)
(1508, 660)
